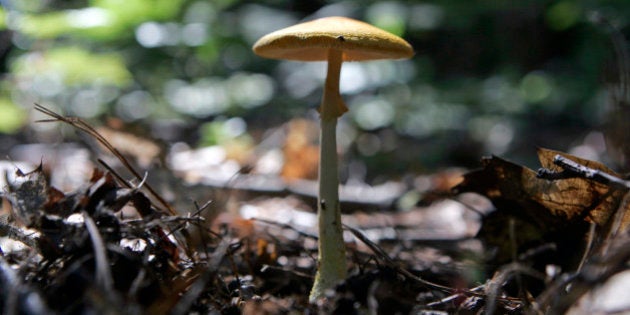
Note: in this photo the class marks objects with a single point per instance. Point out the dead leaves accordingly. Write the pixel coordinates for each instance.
(549, 203)
(88, 241)
(28, 195)
(554, 203)
(301, 153)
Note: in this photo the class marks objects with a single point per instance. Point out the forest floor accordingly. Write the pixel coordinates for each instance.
(83, 238)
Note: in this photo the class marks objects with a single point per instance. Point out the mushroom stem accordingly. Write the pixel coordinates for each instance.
(332, 251)
(333, 106)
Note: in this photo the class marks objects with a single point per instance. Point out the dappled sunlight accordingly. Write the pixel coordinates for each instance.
(135, 105)
(425, 16)
(180, 171)
(89, 17)
(250, 90)
(494, 132)
(256, 20)
(536, 87)
(432, 117)
(152, 34)
(202, 98)
(499, 94)
(211, 96)
(192, 61)
(390, 16)
(372, 113)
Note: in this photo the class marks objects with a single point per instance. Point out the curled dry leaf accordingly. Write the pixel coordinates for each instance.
(544, 210)
(28, 194)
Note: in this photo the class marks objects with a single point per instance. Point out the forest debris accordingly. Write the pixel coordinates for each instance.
(21, 298)
(446, 221)
(549, 203)
(91, 131)
(68, 164)
(144, 261)
(300, 150)
(143, 150)
(28, 194)
(8, 172)
(544, 209)
(597, 273)
(80, 243)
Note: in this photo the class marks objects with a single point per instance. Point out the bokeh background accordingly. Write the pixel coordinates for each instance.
(488, 77)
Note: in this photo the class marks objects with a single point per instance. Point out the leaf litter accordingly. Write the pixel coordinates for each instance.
(545, 240)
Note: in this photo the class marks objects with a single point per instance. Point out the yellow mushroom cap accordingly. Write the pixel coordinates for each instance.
(310, 41)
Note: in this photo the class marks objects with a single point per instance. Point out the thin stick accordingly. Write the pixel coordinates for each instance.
(103, 273)
(573, 169)
(85, 127)
(589, 245)
(387, 260)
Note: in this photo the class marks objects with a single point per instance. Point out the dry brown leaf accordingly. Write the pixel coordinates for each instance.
(576, 197)
(550, 203)
(301, 153)
(544, 210)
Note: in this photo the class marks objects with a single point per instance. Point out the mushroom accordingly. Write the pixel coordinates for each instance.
(332, 39)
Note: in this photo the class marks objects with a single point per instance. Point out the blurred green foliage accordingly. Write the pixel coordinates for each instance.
(99, 20)
(489, 77)
(11, 118)
(74, 66)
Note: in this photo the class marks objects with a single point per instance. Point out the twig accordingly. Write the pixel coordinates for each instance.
(573, 169)
(501, 277)
(286, 226)
(197, 287)
(103, 273)
(17, 234)
(392, 264)
(298, 273)
(590, 239)
(595, 272)
(85, 127)
(615, 227)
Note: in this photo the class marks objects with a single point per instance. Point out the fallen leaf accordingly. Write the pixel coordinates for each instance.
(543, 210)
(28, 195)
(301, 153)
